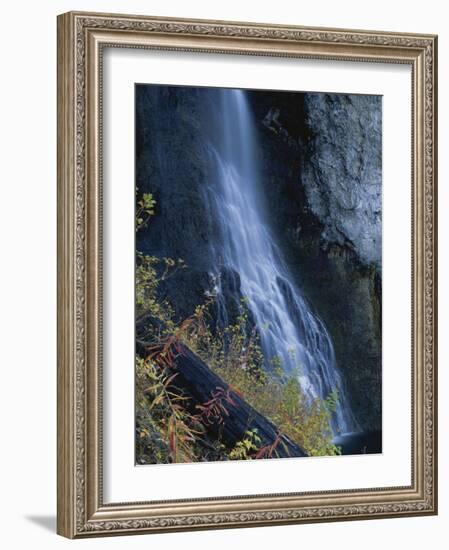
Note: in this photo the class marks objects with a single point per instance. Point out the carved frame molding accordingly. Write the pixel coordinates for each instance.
(81, 39)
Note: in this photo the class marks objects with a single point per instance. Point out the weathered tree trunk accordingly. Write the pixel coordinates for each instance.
(225, 414)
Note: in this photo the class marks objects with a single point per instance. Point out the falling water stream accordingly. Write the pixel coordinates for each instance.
(289, 330)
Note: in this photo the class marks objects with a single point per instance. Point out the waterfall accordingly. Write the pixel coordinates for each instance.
(289, 330)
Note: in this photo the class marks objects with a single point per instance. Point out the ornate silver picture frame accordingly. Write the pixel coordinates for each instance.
(82, 509)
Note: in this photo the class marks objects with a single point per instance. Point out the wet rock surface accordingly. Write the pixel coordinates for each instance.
(171, 163)
(342, 170)
(324, 189)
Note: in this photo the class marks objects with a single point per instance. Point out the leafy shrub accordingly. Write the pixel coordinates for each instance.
(165, 429)
(238, 359)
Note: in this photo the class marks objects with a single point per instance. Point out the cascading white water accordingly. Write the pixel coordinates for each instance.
(289, 330)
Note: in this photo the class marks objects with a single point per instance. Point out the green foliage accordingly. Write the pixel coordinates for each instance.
(247, 447)
(306, 423)
(150, 272)
(145, 209)
(237, 358)
(166, 430)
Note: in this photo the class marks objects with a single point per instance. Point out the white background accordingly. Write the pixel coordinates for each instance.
(27, 289)
(122, 481)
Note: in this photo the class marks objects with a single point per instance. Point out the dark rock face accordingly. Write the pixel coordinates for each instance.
(323, 180)
(171, 164)
(342, 172)
(320, 158)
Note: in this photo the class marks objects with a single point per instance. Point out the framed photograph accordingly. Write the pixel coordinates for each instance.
(246, 274)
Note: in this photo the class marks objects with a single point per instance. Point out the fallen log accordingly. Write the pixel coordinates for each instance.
(224, 413)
